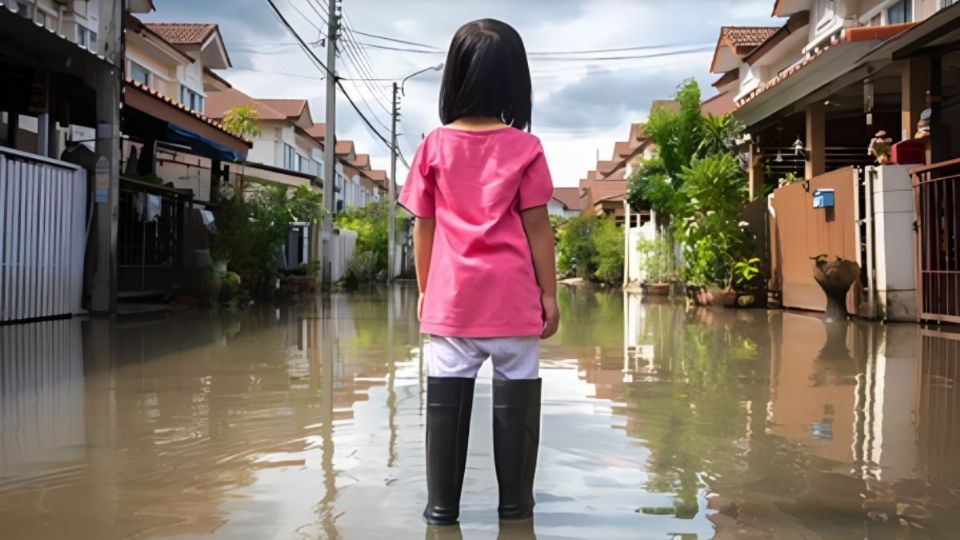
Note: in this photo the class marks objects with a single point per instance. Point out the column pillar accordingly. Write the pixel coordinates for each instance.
(914, 85)
(816, 140)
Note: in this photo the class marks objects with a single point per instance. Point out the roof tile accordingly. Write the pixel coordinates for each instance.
(183, 33)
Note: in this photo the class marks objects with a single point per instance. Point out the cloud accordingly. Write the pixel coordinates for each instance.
(580, 105)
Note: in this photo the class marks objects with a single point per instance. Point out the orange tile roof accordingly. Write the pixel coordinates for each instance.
(608, 166)
(343, 148)
(731, 76)
(183, 33)
(362, 161)
(218, 103)
(621, 149)
(200, 116)
(290, 108)
(568, 196)
(318, 131)
(745, 38)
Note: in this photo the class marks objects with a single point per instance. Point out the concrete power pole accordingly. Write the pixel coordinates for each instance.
(392, 190)
(329, 145)
(103, 296)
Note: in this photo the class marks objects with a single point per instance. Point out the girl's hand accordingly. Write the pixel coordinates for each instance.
(420, 308)
(551, 315)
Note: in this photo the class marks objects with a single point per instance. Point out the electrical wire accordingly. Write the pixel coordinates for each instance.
(317, 62)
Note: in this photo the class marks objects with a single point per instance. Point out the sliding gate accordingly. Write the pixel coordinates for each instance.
(937, 195)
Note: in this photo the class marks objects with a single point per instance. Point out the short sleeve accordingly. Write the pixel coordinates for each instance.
(536, 186)
(417, 194)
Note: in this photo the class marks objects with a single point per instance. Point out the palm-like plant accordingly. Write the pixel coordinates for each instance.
(243, 119)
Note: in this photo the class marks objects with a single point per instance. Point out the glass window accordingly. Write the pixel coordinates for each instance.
(900, 12)
(191, 99)
(139, 73)
(289, 157)
(86, 38)
(948, 3)
(40, 17)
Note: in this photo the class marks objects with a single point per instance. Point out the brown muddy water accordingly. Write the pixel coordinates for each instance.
(307, 422)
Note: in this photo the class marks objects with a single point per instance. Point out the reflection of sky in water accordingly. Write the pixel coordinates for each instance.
(307, 422)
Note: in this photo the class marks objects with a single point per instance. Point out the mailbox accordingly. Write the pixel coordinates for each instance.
(823, 198)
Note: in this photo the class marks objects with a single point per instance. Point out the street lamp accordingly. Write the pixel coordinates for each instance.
(392, 183)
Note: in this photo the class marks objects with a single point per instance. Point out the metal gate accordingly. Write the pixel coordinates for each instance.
(937, 195)
(42, 234)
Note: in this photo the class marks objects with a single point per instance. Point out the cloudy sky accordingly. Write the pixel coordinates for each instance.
(583, 102)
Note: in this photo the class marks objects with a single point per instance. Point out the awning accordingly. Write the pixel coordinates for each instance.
(259, 172)
(201, 145)
(210, 137)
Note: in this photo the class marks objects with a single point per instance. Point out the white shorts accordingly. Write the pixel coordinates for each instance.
(513, 357)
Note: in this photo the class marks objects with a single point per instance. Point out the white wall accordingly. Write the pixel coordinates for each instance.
(894, 241)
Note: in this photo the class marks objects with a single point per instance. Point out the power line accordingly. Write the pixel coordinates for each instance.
(323, 66)
(395, 40)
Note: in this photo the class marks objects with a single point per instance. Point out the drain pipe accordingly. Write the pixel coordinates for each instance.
(869, 173)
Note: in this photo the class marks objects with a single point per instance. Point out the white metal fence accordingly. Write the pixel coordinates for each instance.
(42, 228)
(344, 242)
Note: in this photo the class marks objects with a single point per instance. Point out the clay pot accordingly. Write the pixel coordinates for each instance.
(835, 277)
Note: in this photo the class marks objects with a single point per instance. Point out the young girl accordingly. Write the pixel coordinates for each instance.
(479, 188)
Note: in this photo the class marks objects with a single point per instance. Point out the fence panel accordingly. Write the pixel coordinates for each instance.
(43, 206)
(937, 195)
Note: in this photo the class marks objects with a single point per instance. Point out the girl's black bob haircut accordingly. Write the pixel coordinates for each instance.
(486, 74)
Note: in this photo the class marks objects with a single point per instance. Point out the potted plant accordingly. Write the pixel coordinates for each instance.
(880, 147)
(656, 265)
(745, 274)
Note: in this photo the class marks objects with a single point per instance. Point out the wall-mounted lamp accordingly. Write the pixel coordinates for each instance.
(799, 149)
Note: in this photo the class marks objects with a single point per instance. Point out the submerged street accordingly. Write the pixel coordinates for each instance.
(307, 422)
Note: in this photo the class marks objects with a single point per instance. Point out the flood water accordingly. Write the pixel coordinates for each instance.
(307, 422)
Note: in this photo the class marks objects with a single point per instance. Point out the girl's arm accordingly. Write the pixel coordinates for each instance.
(536, 223)
(423, 229)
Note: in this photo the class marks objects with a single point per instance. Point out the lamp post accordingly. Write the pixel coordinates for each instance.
(392, 182)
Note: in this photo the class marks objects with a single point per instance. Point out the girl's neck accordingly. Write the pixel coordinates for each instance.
(477, 123)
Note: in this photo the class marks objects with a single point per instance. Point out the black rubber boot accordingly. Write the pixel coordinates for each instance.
(449, 403)
(516, 440)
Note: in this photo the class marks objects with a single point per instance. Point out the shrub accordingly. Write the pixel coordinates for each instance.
(608, 258)
(370, 224)
(252, 227)
(591, 248)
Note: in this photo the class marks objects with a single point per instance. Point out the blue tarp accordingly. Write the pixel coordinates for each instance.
(201, 145)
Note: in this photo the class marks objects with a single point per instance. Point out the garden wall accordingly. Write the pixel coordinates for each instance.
(798, 232)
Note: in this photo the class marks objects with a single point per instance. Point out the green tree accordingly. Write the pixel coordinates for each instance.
(243, 119)
(370, 255)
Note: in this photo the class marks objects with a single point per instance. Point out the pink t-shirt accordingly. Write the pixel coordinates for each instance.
(475, 183)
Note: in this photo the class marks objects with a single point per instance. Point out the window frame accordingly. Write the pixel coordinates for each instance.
(908, 11)
(141, 67)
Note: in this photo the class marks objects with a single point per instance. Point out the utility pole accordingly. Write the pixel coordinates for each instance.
(392, 188)
(103, 295)
(329, 145)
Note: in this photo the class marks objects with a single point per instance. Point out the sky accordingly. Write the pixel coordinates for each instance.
(583, 102)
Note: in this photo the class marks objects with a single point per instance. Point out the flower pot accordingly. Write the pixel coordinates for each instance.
(726, 298)
(656, 289)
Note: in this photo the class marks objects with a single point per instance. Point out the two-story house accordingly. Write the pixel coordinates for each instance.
(813, 94)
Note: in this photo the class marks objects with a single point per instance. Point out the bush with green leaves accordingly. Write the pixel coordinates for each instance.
(708, 224)
(252, 227)
(696, 184)
(591, 247)
(658, 260)
(370, 224)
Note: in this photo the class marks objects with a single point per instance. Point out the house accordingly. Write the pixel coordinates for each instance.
(604, 189)
(50, 90)
(565, 202)
(812, 95)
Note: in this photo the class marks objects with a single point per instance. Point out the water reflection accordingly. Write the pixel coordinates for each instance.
(306, 422)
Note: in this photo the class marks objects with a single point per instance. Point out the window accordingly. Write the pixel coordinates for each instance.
(191, 99)
(40, 17)
(86, 38)
(139, 73)
(289, 157)
(948, 3)
(303, 164)
(900, 12)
